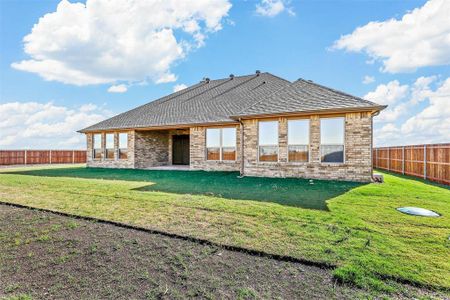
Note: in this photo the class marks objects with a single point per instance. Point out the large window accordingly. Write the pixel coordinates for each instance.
(123, 145)
(268, 141)
(97, 146)
(332, 140)
(298, 140)
(221, 143)
(110, 146)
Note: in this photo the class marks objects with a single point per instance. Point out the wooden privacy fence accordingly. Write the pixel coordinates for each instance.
(430, 161)
(28, 157)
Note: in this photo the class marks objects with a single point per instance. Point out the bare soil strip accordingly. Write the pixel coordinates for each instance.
(52, 256)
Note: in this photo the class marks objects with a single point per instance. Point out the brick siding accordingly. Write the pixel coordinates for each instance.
(154, 148)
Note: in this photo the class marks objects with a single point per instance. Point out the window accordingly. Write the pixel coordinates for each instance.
(298, 140)
(123, 145)
(228, 143)
(97, 146)
(221, 143)
(268, 141)
(332, 140)
(110, 146)
(213, 144)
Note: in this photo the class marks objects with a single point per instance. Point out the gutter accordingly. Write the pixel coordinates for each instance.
(241, 170)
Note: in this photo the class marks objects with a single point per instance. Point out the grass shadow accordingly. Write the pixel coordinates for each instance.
(285, 191)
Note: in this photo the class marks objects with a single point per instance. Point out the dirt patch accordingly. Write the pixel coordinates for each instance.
(49, 256)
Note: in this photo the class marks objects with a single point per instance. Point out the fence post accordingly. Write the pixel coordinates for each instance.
(73, 156)
(50, 156)
(389, 158)
(425, 161)
(403, 160)
(25, 158)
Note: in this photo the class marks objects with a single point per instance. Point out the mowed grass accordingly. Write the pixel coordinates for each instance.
(356, 228)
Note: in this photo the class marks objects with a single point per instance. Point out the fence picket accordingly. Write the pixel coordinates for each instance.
(430, 161)
(28, 157)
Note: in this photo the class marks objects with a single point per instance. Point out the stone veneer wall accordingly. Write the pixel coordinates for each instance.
(154, 148)
(198, 152)
(356, 166)
(151, 149)
(111, 163)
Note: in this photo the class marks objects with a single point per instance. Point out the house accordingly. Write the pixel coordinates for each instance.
(258, 124)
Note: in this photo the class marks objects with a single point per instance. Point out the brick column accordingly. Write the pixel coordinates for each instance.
(315, 138)
(282, 139)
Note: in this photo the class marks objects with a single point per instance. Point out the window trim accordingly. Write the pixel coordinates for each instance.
(307, 145)
(93, 146)
(220, 145)
(265, 145)
(343, 144)
(118, 146)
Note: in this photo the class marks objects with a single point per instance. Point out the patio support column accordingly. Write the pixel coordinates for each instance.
(242, 148)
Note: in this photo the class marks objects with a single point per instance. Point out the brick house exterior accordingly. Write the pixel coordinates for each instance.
(185, 117)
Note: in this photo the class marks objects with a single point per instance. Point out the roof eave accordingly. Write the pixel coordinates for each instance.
(161, 127)
(372, 109)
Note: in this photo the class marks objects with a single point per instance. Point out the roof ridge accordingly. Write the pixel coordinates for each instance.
(270, 95)
(220, 84)
(233, 87)
(268, 73)
(334, 90)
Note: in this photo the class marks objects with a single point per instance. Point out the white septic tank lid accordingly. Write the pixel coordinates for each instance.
(417, 211)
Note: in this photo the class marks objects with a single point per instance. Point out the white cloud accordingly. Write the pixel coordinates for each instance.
(368, 79)
(272, 8)
(388, 93)
(119, 88)
(434, 120)
(407, 123)
(421, 89)
(420, 38)
(32, 125)
(179, 87)
(108, 41)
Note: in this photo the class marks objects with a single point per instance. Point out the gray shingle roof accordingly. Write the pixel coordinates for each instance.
(217, 101)
(304, 96)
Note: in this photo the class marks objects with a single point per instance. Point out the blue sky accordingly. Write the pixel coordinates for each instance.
(56, 80)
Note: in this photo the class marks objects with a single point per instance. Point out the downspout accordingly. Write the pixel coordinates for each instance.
(371, 144)
(241, 171)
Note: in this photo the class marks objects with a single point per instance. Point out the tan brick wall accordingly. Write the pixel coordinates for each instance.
(198, 152)
(154, 148)
(111, 163)
(151, 149)
(356, 167)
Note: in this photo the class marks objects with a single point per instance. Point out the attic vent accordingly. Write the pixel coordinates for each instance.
(206, 79)
(258, 72)
(309, 80)
(231, 76)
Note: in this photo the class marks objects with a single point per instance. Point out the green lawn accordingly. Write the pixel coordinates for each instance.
(353, 226)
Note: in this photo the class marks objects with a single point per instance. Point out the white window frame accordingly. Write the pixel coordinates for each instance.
(277, 145)
(308, 146)
(220, 145)
(320, 139)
